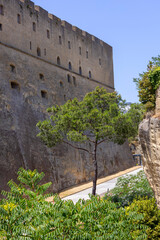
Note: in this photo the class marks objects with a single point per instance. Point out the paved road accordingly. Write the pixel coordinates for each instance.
(101, 188)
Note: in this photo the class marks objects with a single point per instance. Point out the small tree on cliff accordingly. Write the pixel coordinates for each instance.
(148, 82)
(95, 119)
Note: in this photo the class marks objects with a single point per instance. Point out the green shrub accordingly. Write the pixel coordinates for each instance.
(151, 216)
(128, 188)
(25, 215)
(91, 219)
(148, 82)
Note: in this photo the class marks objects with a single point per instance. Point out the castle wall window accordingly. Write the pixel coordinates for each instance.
(80, 70)
(70, 66)
(34, 26)
(86, 54)
(0, 26)
(74, 81)
(41, 76)
(58, 61)
(80, 51)
(44, 94)
(100, 62)
(69, 44)
(38, 52)
(45, 52)
(48, 34)
(1, 10)
(61, 84)
(15, 85)
(68, 78)
(64, 97)
(18, 18)
(30, 45)
(12, 67)
(90, 75)
(60, 40)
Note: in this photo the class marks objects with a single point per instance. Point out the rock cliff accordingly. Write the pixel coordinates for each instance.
(149, 133)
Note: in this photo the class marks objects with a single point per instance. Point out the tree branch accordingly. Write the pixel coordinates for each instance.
(102, 141)
(91, 141)
(76, 147)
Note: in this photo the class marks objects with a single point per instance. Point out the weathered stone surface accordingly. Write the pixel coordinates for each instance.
(62, 165)
(149, 133)
(21, 109)
(30, 82)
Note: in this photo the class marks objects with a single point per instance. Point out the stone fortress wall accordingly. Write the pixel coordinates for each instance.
(46, 61)
(75, 54)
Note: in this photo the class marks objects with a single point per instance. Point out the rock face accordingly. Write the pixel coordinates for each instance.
(149, 133)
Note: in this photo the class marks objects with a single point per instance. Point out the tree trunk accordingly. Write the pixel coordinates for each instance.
(94, 159)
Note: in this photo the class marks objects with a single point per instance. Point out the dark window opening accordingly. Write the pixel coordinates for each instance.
(0, 26)
(90, 75)
(74, 81)
(1, 10)
(38, 52)
(70, 66)
(80, 70)
(86, 54)
(61, 84)
(80, 51)
(19, 18)
(41, 76)
(45, 52)
(15, 85)
(48, 34)
(13, 69)
(69, 44)
(58, 61)
(44, 94)
(68, 78)
(64, 97)
(30, 45)
(60, 40)
(100, 63)
(34, 27)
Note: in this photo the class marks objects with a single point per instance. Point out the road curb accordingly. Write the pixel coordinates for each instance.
(85, 186)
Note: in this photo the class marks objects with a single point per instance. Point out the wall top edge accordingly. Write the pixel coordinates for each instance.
(52, 18)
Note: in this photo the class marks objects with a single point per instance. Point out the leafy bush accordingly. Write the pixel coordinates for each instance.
(25, 215)
(148, 82)
(23, 206)
(128, 188)
(151, 216)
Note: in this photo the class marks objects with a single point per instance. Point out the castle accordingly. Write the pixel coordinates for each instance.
(46, 61)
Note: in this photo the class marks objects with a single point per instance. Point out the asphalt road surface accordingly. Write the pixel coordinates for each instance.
(101, 188)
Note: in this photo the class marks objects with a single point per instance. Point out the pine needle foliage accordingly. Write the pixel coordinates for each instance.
(98, 118)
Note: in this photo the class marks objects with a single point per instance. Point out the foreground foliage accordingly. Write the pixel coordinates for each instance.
(151, 216)
(129, 188)
(25, 215)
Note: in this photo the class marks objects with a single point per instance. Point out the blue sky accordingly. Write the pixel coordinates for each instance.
(131, 27)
